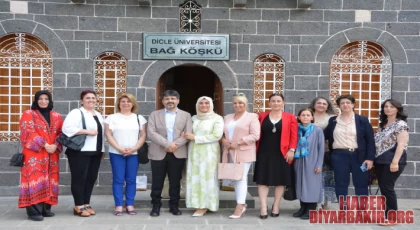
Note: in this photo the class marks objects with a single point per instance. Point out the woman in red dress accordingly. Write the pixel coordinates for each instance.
(39, 128)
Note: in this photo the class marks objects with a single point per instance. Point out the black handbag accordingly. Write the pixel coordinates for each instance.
(290, 191)
(75, 142)
(17, 159)
(327, 159)
(142, 153)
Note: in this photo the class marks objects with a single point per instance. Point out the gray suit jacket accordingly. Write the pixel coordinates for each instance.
(157, 133)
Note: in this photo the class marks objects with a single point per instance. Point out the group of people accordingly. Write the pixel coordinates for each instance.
(286, 150)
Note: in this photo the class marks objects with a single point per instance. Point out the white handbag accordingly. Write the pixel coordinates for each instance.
(230, 171)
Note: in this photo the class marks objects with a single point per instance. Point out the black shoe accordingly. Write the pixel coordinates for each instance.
(36, 217)
(34, 212)
(274, 214)
(309, 206)
(305, 216)
(46, 211)
(301, 210)
(156, 210)
(264, 216)
(175, 211)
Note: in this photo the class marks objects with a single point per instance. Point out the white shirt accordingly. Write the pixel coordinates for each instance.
(231, 128)
(170, 123)
(73, 124)
(125, 130)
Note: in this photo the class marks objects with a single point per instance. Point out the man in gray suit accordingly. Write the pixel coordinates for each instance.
(168, 150)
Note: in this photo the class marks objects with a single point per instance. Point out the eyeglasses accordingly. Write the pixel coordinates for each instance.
(239, 95)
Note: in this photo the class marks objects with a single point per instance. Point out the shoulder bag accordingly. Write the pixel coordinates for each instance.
(230, 171)
(75, 142)
(143, 150)
(17, 159)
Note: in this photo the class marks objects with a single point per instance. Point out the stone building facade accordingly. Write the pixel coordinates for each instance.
(305, 44)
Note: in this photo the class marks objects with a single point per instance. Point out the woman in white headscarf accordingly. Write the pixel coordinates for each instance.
(204, 153)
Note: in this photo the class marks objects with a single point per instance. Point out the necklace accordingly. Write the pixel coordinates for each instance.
(274, 130)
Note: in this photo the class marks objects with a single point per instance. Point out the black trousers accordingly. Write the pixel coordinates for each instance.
(84, 172)
(173, 167)
(386, 182)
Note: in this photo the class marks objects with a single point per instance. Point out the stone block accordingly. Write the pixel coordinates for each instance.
(109, 11)
(70, 9)
(324, 82)
(105, 166)
(268, 28)
(35, 8)
(138, 11)
(410, 5)
(150, 94)
(406, 69)
(123, 48)
(330, 4)
(243, 52)
(241, 67)
(62, 107)
(209, 26)
(339, 16)
(245, 81)
(363, 5)
(220, 3)
(416, 129)
(59, 80)
(392, 5)
(400, 96)
(287, 40)
(276, 4)
(409, 169)
(415, 84)
(233, 52)
(413, 111)
(313, 40)
(146, 108)
(8, 149)
(70, 65)
(408, 16)
(258, 39)
(338, 27)
(410, 42)
(281, 50)
(302, 96)
(294, 53)
(384, 16)
(295, 68)
(5, 7)
(325, 68)
(202, 3)
(165, 12)
(333, 44)
(114, 36)
(413, 98)
(357, 34)
(119, 2)
(58, 22)
(245, 14)
(403, 28)
(11, 26)
(133, 81)
(144, 25)
(400, 83)
(376, 25)
(306, 82)
(236, 38)
(237, 27)
(394, 48)
(172, 25)
(411, 124)
(5, 167)
(75, 104)
(73, 80)
(135, 51)
(65, 35)
(306, 15)
(135, 37)
(75, 49)
(98, 23)
(29, 17)
(275, 15)
(87, 35)
(63, 166)
(215, 13)
(307, 53)
(289, 82)
(57, 48)
(67, 94)
(303, 28)
(9, 179)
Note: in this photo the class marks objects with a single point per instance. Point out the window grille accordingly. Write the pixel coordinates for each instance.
(362, 69)
(25, 68)
(110, 80)
(268, 79)
(190, 17)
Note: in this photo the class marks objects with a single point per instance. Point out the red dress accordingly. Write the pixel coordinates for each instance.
(39, 174)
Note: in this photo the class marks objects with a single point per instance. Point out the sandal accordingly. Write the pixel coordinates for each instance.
(131, 212)
(118, 213)
(90, 210)
(82, 212)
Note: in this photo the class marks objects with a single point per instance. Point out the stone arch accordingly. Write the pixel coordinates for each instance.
(384, 38)
(46, 34)
(151, 76)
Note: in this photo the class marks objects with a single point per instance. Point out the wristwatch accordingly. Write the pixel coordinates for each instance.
(293, 150)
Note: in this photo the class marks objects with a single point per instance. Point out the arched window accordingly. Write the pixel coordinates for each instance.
(268, 79)
(25, 68)
(110, 80)
(190, 17)
(362, 69)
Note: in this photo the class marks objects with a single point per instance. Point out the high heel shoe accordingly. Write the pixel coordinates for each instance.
(242, 213)
(274, 214)
(82, 212)
(264, 216)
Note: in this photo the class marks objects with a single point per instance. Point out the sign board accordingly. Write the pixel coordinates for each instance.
(186, 46)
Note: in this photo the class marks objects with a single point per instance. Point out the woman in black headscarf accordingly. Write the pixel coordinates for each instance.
(39, 128)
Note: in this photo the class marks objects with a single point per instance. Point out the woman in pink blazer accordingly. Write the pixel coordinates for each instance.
(241, 131)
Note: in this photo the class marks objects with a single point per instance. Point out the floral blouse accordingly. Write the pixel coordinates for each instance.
(386, 138)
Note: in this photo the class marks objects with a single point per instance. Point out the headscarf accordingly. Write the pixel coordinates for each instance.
(302, 147)
(205, 116)
(45, 112)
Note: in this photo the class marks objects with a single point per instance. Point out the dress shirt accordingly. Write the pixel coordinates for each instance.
(345, 136)
(170, 122)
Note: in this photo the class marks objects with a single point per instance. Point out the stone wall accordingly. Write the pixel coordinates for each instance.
(305, 38)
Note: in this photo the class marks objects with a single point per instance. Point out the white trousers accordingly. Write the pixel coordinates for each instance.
(241, 186)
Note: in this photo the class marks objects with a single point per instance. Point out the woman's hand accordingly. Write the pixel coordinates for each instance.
(234, 145)
(369, 164)
(188, 136)
(289, 156)
(92, 132)
(129, 151)
(50, 148)
(393, 167)
(318, 170)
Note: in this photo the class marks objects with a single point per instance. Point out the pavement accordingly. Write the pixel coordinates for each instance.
(12, 217)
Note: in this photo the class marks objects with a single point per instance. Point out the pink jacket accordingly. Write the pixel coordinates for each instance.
(248, 130)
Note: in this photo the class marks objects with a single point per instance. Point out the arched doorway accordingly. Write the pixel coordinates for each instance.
(191, 81)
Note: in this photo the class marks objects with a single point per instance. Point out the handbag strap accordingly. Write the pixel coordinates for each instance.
(138, 121)
(234, 158)
(83, 119)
